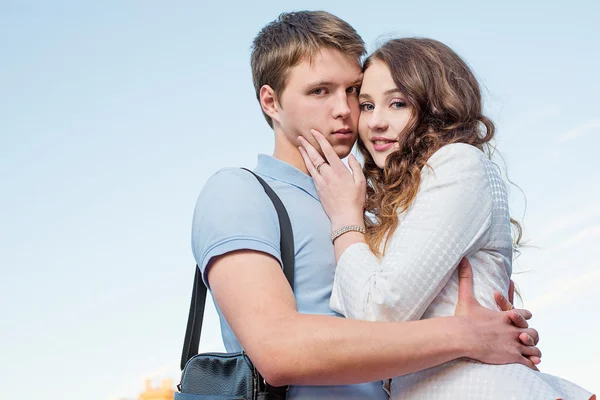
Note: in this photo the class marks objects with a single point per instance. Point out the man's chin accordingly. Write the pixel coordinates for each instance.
(342, 151)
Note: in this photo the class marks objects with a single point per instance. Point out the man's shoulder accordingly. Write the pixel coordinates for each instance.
(234, 192)
(228, 183)
(230, 178)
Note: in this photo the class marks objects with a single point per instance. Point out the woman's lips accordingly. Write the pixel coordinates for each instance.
(383, 145)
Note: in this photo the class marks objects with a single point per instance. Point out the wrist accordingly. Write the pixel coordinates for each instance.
(458, 337)
(346, 229)
(346, 220)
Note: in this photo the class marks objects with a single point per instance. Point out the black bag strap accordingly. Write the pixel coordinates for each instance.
(196, 315)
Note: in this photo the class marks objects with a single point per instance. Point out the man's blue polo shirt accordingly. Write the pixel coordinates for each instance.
(233, 212)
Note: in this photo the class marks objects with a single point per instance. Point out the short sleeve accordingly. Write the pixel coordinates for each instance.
(233, 212)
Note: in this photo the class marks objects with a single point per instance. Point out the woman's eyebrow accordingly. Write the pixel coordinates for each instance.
(392, 91)
(386, 93)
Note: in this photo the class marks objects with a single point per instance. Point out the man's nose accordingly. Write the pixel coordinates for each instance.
(341, 108)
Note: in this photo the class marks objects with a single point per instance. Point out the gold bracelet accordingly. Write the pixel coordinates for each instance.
(345, 229)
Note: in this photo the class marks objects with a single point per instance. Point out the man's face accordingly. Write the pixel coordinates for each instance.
(322, 95)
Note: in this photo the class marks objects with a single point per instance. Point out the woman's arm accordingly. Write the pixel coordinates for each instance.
(342, 194)
(449, 218)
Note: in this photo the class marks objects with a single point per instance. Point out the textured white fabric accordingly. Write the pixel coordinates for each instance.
(461, 209)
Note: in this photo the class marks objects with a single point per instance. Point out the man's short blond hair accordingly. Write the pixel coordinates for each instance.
(294, 36)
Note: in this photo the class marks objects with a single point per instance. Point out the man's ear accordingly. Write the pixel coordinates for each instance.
(269, 102)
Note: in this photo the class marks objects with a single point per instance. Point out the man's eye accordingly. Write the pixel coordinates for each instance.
(318, 91)
(367, 107)
(352, 90)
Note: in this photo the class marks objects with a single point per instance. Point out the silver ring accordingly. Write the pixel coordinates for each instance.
(318, 167)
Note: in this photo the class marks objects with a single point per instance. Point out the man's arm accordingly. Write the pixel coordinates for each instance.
(303, 349)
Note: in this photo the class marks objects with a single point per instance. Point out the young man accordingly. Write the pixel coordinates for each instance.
(306, 71)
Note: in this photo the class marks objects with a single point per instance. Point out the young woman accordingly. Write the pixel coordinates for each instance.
(432, 197)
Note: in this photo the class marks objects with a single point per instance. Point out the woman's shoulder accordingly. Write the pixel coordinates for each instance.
(458, 153)
(456, 162)
(457, 157)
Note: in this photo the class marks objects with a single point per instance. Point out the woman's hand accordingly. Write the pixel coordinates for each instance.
(342, 193)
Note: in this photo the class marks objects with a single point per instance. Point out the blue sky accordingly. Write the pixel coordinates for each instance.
(113, 114)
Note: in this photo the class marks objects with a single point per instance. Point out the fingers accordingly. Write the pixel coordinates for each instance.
(517, 319)
(525, 313)
(309, 164)
(465, 282)
(506, 305)
(531, 351)
(313, 155)
(529, 332)
(330, 154)
(536, 360)
(526, 339)
(502, 302)
(527, 362)
(357, 172)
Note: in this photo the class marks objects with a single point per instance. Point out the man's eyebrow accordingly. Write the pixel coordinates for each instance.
(320, 83)
(330, 83)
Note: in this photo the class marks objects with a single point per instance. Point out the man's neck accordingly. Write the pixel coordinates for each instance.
(288, 153)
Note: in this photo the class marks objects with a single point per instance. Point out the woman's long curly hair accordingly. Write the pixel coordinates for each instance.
(446, 104)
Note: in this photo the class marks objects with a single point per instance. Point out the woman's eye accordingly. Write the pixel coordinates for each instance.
(398, 104)
(367, 107)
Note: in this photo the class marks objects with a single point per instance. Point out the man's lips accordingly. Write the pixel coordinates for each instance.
(343, 133)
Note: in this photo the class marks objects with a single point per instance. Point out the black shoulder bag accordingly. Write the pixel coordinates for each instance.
(229, 376)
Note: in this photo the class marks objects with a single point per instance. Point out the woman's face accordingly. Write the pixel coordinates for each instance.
(384, 112)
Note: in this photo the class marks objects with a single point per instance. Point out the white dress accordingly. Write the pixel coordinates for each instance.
(461, 209)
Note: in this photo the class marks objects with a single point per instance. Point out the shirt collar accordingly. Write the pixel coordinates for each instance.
(284, 172)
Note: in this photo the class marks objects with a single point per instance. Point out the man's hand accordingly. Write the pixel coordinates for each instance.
(506, 305)
(496, 336)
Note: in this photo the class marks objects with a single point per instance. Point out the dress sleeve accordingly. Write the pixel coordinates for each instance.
(449, 218)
